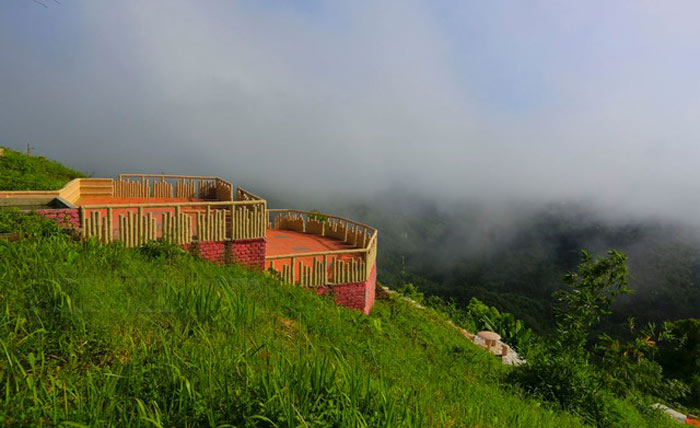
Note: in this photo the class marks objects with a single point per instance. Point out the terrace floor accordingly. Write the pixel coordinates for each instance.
(289, 242)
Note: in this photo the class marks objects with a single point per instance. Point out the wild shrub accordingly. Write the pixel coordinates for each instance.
(580, 373)
(512, 331)
(161, 250)
(19, 224)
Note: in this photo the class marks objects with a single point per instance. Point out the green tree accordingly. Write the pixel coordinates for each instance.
(581, 374)
(588, 297)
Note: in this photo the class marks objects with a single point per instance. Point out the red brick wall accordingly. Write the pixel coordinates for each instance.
(214, 251)
(66, 217)
(355, 295)
(249, 252)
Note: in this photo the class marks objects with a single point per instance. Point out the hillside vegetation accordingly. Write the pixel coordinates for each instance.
(105, 336)
(19, 171)
(94, 335)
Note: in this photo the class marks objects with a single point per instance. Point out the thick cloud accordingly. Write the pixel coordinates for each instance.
(506, 100)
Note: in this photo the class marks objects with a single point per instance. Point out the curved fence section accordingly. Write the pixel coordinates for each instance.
(316, 269)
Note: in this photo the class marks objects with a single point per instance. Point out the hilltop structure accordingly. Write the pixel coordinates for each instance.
(205, 216)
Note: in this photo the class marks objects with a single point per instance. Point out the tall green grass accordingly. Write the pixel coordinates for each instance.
(19, 171)
(95, 335)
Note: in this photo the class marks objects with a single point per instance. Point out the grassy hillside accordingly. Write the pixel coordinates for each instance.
(94, 335)
(19, 171)
(105, 336)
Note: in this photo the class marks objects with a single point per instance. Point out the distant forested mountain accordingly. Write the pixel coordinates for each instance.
(514, 256)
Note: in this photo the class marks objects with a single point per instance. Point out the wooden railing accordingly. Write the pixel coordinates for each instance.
(244, 195)
(316, 269)
(172, 186)
(179, 223)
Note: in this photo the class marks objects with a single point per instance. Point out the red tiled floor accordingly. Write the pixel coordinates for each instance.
(289, 242)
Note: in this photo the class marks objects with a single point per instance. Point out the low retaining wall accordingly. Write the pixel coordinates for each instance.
(247, 252)
(355, 295)
(66, 217)
(214, 251)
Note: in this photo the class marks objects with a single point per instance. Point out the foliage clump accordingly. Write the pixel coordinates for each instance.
(588, 374)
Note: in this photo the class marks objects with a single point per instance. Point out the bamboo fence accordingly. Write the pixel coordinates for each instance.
(172, 186)
(326, 267)
(244, 195)
(179, 223)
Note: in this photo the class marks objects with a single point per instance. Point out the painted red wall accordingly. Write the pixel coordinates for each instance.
(248, 252)
(355, 295)
(67, 217)
(214, 251)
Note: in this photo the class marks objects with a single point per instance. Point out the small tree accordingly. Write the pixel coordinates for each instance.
(560, 371)
(589, 297)
(580, 374)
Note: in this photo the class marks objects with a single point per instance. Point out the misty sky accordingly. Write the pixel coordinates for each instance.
(474, 99)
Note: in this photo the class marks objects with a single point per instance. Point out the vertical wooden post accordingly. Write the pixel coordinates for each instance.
(82, 221)
(292, 265)
(325, 269)
(209, 223)
(233, 209)
(110, 223)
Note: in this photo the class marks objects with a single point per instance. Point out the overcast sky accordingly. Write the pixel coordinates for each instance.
(498, 99)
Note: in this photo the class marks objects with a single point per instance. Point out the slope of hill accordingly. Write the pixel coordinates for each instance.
(94, 335)
(99, 335)
(22, 172)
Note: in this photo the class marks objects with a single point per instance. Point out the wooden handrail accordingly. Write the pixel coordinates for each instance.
(191, 177)
(174, 204)
(364, 250)
(318, 214)
(318, 253)
(246, 192)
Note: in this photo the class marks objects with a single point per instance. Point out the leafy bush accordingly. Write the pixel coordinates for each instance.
(565, 371)
(512, 331)
(317, 216)
(17, 224)
(161, 250)
(411, 291)
(679, 355)
(562, 378)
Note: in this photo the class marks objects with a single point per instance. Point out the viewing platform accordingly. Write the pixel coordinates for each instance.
(206, 216)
